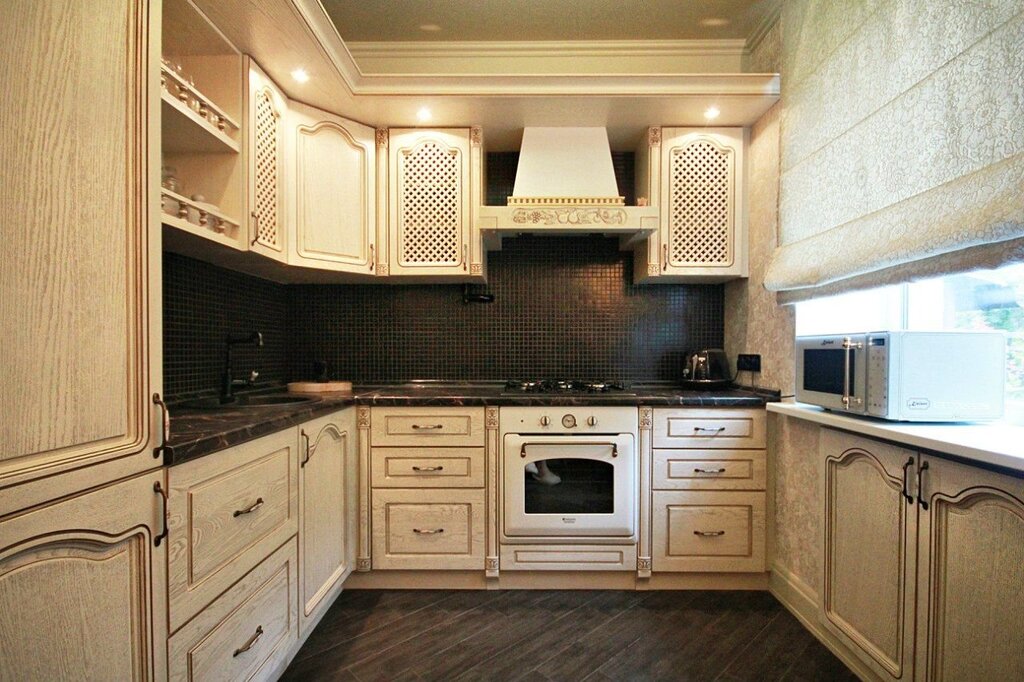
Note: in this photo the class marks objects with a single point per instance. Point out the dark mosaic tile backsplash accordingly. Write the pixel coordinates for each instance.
(564, 307)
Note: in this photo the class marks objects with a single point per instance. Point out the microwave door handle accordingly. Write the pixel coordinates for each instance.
(849, 345)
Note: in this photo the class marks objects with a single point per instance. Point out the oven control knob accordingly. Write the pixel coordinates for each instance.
(544, 421)
(592, 421)
(569, 421)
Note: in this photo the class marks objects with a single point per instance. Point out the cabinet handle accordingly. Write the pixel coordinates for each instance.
(709, 533)
(425, 531)
(165, 425)
(256, 228)
(309, 450)
(709, 471)
(373, 259)
(427, 427)
(159, 489)
(704, 429)
(906, 481)
(250, 643)
(464, 265)
(920, 485)
(415, 468)
(250, 509)
(664, 257)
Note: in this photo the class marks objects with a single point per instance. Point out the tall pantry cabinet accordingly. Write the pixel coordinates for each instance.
(80, 300)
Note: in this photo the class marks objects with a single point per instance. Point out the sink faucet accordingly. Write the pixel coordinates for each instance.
(228, 383)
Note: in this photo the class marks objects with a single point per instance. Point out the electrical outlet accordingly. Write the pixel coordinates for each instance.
(748, 362)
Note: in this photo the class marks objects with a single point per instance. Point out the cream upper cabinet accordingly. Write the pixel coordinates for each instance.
(971, 573)
(80, 275)
(328, 526)
(332, 198)
(429, 203)
(696, 176)
(82, 587)
(265, 135)
(869, 542)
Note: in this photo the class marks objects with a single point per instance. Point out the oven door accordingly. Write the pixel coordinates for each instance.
(565, 486)
(831, 371)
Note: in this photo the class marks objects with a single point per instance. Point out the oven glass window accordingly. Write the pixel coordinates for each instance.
(569, 486)
(823, 370)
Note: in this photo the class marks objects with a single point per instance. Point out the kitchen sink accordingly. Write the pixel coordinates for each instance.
(241, 401)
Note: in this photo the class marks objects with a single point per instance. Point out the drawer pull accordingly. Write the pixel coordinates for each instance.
(427, 427)
(425, 469)
(703, 429)
(698, 470)
(427, 531)
(250, 509)
(709, 533)
(250, 643)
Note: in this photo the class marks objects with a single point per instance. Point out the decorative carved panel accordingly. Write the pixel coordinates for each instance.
(701, 205)
(267, 153)
(430, 214)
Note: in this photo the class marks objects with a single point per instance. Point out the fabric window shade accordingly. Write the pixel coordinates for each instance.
(902, 141)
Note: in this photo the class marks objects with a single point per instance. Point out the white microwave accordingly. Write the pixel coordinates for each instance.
(904, 376)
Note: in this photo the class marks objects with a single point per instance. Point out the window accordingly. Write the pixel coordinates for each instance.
(981, 300)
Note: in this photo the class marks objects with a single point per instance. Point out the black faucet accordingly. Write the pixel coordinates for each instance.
(228, 383)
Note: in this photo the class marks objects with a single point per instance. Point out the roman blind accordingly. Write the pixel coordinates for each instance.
(902, 140)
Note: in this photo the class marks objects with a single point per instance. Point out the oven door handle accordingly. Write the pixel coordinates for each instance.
(613, 446)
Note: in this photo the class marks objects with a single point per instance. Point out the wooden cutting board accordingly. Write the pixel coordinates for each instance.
(320, 387)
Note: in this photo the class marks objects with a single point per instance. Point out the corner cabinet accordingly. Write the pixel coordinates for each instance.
(430, 190)
(333, 193)
(696, 176)
(265, 148)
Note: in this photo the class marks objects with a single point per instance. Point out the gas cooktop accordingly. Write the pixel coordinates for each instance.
(565, 387)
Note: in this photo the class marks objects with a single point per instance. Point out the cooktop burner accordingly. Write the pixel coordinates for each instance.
(562, 386)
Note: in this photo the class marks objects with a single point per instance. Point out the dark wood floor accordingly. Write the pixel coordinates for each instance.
(561, 636)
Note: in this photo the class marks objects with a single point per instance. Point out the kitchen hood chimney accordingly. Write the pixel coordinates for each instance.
(567, 167)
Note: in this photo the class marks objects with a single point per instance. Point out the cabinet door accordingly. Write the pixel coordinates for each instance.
(429, 202)
(327, 497)
(971, 578)
(80, 273)
(870, 554)
(703, 220)
(82, 587)
(265, 146)
(333, 191)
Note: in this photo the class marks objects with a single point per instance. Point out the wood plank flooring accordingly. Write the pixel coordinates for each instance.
(563, 635)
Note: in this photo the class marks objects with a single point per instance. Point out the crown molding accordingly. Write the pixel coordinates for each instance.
(766, 24)
(547, 48)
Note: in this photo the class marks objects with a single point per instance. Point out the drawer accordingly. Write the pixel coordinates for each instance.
(428, 468)
(711, 428)
(709, 469)
(431, 529)
(565, 558)
(708, 531)
(246, 633)
(226, 513)
(427, 426)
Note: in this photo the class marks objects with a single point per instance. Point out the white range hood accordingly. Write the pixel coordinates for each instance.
(565, 184)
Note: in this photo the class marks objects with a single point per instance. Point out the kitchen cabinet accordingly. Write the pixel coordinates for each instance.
(433, 188)
(265, 146)
(696, 176)
(328, 518)
(333, 194)
(80, 278)
(82, 586)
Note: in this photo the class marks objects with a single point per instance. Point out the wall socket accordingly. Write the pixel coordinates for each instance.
(748, 362)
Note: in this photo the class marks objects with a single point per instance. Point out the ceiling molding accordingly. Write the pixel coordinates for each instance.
(549, 48)
(766, 24)
(320, 26)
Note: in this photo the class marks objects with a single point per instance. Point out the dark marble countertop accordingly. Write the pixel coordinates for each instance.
(199, 432)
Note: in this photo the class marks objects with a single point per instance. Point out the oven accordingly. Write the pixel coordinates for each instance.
(569, 473)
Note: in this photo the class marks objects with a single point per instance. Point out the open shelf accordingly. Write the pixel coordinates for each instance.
(184, 130)
(222, 228)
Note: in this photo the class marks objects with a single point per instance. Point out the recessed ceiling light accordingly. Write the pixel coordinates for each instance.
(712, 112)
(300, 75)
(430, 28)
(714, 22)
(423, 114)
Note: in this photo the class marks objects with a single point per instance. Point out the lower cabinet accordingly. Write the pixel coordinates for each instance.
(428, 529)
(82, 587)
(248, 631)
(712, 531)
(923, 562)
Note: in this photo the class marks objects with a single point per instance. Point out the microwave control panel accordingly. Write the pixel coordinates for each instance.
(878, 375)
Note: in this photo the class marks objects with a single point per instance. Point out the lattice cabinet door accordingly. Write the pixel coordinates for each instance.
(429, 202)
(265, 146)
(703, 220)
(332, 193)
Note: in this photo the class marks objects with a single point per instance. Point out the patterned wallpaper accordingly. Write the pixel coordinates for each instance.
(903, 133)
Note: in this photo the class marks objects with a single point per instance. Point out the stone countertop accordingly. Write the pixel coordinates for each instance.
(198, 432)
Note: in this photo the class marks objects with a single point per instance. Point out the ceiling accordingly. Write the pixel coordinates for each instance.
(533, 20)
